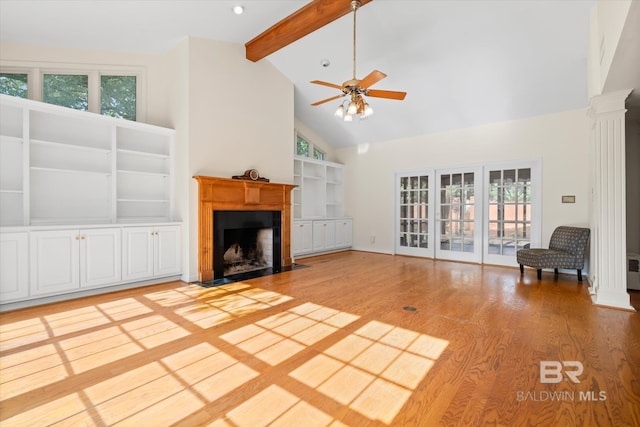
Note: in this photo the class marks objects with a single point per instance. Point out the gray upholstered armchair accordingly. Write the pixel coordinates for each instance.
(566, 250)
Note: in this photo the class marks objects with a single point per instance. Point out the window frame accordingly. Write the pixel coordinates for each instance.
(36, 72)
(313, 148)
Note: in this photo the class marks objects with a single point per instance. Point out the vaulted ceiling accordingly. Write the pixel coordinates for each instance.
(462, 63)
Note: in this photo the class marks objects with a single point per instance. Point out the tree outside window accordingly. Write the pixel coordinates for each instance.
(118, 96)
(14, 84)
(67, 90)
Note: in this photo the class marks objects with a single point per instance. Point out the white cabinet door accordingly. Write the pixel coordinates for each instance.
(323, 235)
(343, 233)
(302, 233)
(149, 252)
(100, 257)
(14, 266)
(137, 253)
(167, 256)
(54, 261)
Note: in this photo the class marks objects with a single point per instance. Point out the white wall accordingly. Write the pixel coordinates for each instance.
(240, 117)
(560, 140)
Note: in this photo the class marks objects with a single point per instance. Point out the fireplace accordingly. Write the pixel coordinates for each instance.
(246, 241)
(255, 198)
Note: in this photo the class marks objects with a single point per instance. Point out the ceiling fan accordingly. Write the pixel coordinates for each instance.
(356, 89)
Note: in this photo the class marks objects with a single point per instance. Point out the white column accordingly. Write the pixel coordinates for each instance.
(608, 274)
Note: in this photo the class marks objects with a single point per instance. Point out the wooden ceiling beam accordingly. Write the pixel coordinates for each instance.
(306, 20)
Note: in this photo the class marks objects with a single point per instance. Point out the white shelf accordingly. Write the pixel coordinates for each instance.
(62, 166)
(143, 200)
(164, 175)
(62, 145)
(320, 191)
(143, 153)
(11, 139)
(83, 172)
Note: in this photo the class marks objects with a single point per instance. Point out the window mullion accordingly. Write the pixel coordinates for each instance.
(94, 91)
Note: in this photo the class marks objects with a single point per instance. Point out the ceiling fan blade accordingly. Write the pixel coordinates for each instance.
(372, 78)
(318, 82)
(390, 94)
(327, 100)
(304, 21)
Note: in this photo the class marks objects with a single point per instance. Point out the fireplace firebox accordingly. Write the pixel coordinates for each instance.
(225, 194)
(246, 241)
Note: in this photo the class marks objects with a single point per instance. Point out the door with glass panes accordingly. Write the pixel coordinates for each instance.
(458, 231)
(512, 210)
(414, 213)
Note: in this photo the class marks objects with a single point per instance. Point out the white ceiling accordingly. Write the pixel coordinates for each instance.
(462, 63)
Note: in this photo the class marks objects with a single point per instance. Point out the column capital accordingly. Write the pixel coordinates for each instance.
(608, 102)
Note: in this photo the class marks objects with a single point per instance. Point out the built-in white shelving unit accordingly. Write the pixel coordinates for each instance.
(318, 208)
(86, 202)
(62, 166)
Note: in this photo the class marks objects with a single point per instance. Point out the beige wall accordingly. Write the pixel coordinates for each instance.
(240, 117)
(560, 141)
(607, 22)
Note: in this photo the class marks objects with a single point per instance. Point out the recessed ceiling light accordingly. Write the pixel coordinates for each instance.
(238, 10)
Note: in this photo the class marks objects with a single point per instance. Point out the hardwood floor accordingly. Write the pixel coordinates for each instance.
(329, 345)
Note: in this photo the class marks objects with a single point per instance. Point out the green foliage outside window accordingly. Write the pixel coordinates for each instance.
(13, 84)
(302, 147)
(317, 154)
(118, 96)
(67, 90)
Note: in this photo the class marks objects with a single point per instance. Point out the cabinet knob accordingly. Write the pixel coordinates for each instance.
(82, 237)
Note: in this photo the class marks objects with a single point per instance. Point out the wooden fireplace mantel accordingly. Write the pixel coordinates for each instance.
(237, 195)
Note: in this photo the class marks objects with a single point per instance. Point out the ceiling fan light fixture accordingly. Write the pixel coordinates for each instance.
(348, 118)
(353, 107)
(339, 112)
(367, 110)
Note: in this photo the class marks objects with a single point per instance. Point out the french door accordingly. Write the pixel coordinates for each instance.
(458, 230)
(439, 215)
(415, 213)
(473, 214)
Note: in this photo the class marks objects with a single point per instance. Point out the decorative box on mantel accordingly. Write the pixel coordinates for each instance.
(225, 194)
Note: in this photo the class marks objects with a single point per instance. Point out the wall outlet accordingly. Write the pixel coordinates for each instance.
(373, 238)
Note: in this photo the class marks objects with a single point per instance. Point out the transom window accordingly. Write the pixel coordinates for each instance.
(304, 148)
(112, 93)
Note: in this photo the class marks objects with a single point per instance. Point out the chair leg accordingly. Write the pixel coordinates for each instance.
(521, 269)
(579, 275)
(539, 274)
(555, 271)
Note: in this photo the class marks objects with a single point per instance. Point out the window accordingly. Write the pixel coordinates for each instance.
(14, 84)
(306, 149)
(118, 96)
(66, 90)
(115, 93)
(302, 147)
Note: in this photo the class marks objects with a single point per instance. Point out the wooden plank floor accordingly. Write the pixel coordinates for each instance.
(328, 345)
